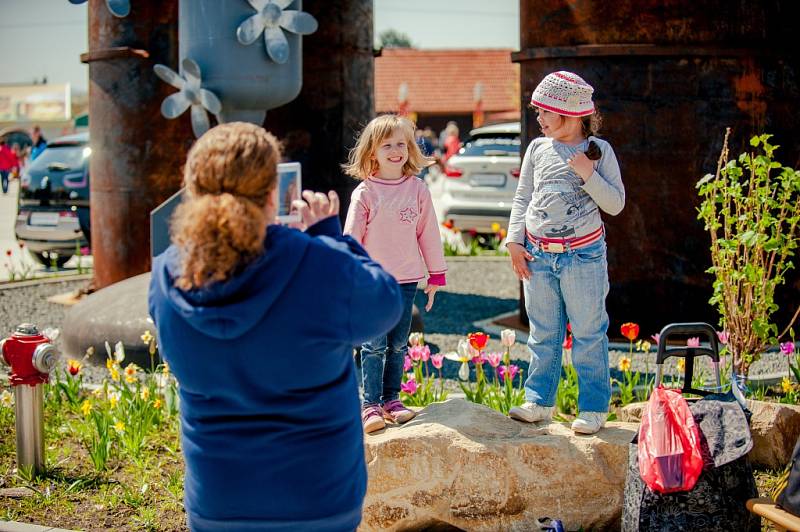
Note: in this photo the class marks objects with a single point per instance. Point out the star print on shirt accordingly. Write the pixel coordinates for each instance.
(408, 215)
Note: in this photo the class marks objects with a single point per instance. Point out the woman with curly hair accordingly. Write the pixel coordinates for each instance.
(257, 322)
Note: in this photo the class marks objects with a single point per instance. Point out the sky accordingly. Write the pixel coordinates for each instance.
(44, 38)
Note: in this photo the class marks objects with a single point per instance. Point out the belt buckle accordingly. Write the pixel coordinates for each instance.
(554, 247)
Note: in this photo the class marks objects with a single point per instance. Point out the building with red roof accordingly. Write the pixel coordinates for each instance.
(442, 85)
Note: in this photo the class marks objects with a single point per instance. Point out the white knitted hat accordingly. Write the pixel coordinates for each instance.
(564, 93)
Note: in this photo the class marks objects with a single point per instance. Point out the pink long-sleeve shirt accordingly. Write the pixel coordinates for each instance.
(395, 222)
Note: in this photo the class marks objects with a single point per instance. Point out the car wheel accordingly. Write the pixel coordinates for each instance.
(44, 258)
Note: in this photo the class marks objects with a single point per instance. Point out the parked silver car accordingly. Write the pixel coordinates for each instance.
(478, 184)
(53, 209)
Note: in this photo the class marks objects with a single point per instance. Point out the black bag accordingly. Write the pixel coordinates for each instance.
(717, 503)
(789, 499)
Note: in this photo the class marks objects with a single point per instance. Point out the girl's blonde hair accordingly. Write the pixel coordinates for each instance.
(361, 162)
(221, 224)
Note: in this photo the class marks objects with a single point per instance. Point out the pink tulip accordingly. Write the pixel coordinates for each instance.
(478, 360)
(787, 348)
(723, 336)
(494, 359)
(694, 341)
(410, 386)
(655, 337)
(425, 353)
(437, 361)
(415, 353)
(407, 363)
(507, 371)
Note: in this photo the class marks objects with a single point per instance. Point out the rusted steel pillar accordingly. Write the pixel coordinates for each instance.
(337, 98)
(669, 77)
(136, 153)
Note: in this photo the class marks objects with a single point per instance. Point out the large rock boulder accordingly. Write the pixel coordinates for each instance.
(775, 428)
(459, 465)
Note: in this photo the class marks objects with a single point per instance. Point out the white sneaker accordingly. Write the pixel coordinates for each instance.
(589, 422)
(531, 412)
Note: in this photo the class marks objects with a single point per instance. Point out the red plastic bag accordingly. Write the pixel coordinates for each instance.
(669, 443)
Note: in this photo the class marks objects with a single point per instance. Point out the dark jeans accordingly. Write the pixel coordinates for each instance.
(382, 358)
(4, 179)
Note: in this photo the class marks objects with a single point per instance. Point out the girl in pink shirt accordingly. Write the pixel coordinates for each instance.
(391, 214)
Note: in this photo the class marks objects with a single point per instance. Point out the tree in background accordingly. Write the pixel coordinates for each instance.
(394, 39)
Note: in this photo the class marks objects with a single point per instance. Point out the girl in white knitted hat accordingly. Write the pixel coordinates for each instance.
(557, 247)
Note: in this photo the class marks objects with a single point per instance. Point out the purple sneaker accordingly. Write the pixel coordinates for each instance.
(372, 418)
(395, 412)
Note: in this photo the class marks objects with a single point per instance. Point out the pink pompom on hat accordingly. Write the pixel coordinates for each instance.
(564, 93)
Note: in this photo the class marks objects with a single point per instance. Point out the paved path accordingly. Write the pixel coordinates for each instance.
(21, 258)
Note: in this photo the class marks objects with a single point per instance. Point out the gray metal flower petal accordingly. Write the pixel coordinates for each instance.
(200, 122)
(258, 5)
(250, 30)
(190, 94)
(118, 8)
(298, 22)
(277, 45)
(175, 105)
(210, 101)
(191, 73)
(169, 76)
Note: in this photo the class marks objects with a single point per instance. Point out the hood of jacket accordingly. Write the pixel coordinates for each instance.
(229, 309)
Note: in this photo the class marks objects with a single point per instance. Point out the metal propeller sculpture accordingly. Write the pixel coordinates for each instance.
(190, 94)
(271, 19)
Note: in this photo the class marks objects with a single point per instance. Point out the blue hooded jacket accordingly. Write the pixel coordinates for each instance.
(270, 417)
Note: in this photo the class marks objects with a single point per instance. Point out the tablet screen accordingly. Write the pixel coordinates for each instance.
(289, 188)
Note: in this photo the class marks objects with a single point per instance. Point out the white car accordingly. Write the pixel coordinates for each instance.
(478, 184)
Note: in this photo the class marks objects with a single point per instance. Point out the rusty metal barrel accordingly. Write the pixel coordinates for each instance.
(669, 77)
(137, 155)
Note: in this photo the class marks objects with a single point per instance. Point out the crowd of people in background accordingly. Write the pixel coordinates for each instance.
(14, 157)
(441, 148)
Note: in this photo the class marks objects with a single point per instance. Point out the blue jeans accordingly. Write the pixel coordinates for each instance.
(4, 180)
(382, 358)
(568, 286)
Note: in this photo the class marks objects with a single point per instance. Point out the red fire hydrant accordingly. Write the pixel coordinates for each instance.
(31, 357)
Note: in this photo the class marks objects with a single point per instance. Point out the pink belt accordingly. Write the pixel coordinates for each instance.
(561, 245)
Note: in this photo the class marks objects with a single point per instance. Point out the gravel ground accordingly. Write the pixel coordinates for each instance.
(478, 288)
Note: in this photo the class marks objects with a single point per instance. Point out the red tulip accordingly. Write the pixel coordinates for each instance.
(73, 366)
(567, 342)
(630, 331)
(478, 340)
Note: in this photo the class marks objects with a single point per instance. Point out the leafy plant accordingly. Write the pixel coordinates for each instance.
(567, 394)
(750, 209)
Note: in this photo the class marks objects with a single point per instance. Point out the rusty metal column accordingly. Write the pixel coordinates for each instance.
(136, 154)
(337, 98)
(669, 77)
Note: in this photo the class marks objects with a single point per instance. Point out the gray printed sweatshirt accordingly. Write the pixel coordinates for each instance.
(552, 201)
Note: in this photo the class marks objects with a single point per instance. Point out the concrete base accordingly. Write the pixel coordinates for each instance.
(117, 313)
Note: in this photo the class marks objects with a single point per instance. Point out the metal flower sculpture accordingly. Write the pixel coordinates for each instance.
(272, 19)
(190, 94)
(118, 8)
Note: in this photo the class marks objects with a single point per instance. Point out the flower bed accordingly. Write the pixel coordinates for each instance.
(113, 450)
